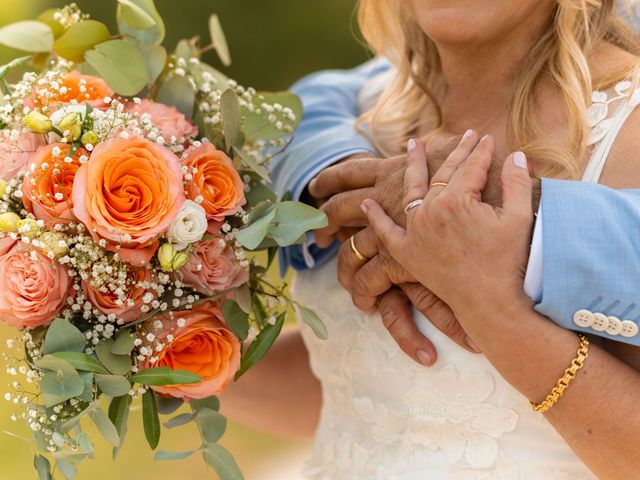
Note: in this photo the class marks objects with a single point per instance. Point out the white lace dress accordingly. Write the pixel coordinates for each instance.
(385, 417)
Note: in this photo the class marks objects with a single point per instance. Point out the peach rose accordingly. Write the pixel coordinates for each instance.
(168, 120)
(213, 268)
(46, 192)
(81, 88)
(132, 299)
(16, 149)
(128, 195)
(204, 346)
(33, 288)
(216, 181)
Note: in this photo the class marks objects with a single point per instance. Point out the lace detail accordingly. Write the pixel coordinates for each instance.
(598, 114)
(385, 417)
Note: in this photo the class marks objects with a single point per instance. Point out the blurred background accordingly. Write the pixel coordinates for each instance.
(273, 43)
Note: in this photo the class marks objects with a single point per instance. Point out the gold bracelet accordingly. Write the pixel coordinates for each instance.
(569, 374)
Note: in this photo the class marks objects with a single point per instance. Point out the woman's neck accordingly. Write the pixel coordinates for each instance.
(479, 79)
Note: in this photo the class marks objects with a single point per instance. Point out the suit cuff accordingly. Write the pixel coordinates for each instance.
(533, 277)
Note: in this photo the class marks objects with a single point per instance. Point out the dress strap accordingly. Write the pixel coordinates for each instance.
(605, 130)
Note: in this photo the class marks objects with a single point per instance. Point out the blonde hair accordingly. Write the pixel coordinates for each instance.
(560, 55)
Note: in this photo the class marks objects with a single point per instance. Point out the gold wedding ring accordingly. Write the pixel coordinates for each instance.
(415, 203)
(355, 250)
(438, 184)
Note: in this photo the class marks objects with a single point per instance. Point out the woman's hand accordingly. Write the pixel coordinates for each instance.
(476, 253)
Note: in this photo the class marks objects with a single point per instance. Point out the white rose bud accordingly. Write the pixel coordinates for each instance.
(9, 222)
(189, 226)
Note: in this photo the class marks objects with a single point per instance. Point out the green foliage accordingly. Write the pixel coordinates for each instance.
(252, 164)
(168, 405)
(150, 420)
(116, 364)
(113, 385)
(219, 458)
(180, 420)
(60, 381)
(258, 127)
(119, 416)
(151, 35)
(164, 455)
(68, 470)
(63, 337)
(28, 36)
(212, 403)
(219, 40)
(13, 64)
(79, 38)
(312, 319)
(123, 343)
(155, 58)
(80, 361)
(260, 345)
(161, 376)
(212, 424)
(178, 92)
(43, 467)
(135, 16)
(121, 65)
(236, 318)
(47, 17)
(231, 118)
(104, 426)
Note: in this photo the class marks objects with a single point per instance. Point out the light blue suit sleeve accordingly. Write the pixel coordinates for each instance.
(591, 259)
(326, 135)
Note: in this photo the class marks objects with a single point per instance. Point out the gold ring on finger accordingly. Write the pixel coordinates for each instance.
(355, 250)
(438, 184)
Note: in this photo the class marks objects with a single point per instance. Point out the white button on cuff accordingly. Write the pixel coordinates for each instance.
(583, 318)
(600, 322)
(615, 326)
(629, 329)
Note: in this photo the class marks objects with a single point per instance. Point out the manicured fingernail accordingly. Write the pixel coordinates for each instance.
(411, 144)
(520, 160)
(472, 345)
(424, 357)
(468, 133)
(363, 207)
(484, 138)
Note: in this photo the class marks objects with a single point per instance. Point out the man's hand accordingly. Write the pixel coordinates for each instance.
(341, 188)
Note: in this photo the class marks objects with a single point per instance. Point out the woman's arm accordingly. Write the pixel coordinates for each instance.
(279, 395)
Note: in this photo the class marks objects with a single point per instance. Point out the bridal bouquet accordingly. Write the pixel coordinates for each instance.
(132, 197)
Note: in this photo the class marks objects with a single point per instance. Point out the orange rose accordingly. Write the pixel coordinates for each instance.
(216, 181)
(128, 194)
(47, 189)
(82, 88)
(205, 346)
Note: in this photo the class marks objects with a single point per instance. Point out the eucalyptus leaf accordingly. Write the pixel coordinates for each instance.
(63, 337)
(123, 343)
(231, 117)
(48, 17)
(261, 345)
(60, 385)
(113, 385)
(79, 38)
(116, 364)
(164, 455)
(250, 162)
(212, 403)
(187, 49)
(211, 423)
(259, 193)
(312, 319)
(80, 361)
(28, 36)
(292, 220)
(219, 458)
(43, 467)
(161, 376)
(152, 35)
(219, 40)
(135, 16)
(87, 393)
(155, 57)
(258, 127)
(150, 419)
(68, 470)
(168, 405)
(119, 416)
(121, 65)
(243, 297)
(236, 318)
(105, 427)
(177, 92)
(179, 420)
(252, 235)
(13, 64)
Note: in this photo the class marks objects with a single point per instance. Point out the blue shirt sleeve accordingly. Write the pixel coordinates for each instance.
(326, 135)
(591, 259)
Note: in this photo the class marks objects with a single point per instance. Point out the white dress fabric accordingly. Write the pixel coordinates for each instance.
(384, 417)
